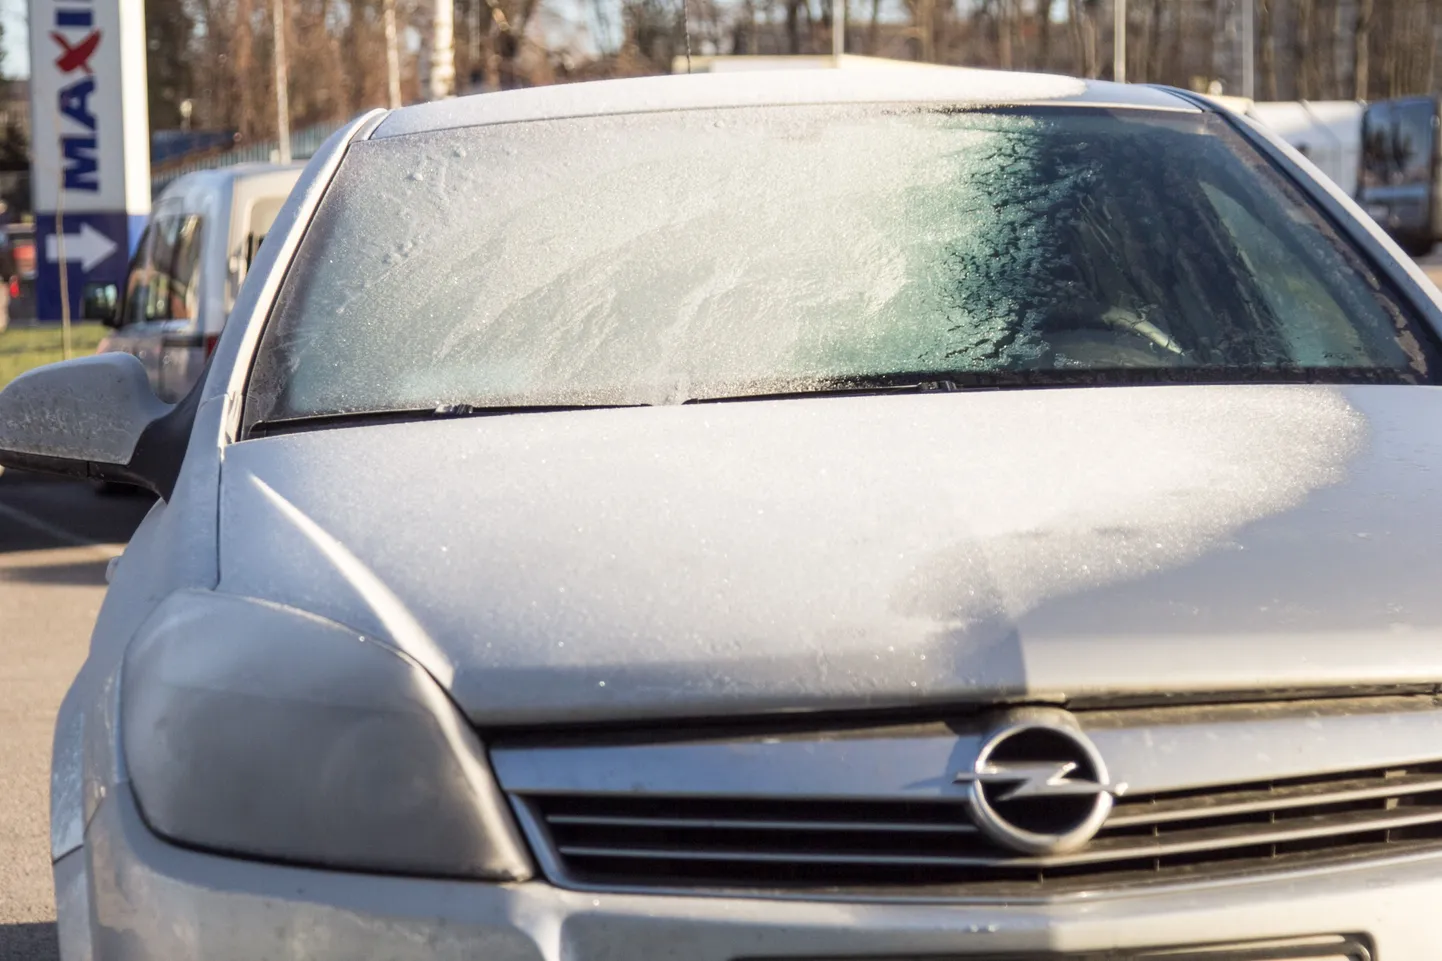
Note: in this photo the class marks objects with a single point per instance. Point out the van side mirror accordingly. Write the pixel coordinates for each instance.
(82, 418)
(100, 302)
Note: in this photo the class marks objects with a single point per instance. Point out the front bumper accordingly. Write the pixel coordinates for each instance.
(146, 899)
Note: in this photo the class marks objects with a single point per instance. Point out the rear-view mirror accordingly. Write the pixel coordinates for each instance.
(100, 302)
(82, 418)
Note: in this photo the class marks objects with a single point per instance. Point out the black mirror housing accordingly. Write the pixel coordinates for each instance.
(100, 302)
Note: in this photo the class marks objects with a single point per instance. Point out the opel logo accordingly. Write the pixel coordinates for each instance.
(1038, 785)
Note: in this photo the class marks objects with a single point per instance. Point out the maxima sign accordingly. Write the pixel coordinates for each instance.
(91, 168)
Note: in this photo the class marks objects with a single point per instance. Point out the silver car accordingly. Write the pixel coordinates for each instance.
(769, 516)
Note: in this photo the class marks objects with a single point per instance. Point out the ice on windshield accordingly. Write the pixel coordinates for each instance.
(656, 258)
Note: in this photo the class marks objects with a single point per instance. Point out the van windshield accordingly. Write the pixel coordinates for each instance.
(679, 256)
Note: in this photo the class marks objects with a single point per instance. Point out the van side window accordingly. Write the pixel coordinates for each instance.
(1397, 141)
(174, 268)
(164, 279)
(132, 304)
(1414, 141)
(1378, 146)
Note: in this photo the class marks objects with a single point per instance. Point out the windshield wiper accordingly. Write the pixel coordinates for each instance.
(964, 381)
(364, 418)
(849, 387)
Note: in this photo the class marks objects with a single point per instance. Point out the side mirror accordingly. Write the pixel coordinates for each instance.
(100, 302)
(83, 418)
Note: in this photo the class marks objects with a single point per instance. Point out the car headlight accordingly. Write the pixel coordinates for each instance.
(253, 729)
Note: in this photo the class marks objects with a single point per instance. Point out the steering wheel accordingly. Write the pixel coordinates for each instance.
(1097, 341)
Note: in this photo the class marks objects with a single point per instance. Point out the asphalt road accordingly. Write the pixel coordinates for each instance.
(55, 540)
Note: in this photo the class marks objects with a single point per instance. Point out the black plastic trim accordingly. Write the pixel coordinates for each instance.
(160, 452)
(184, 340)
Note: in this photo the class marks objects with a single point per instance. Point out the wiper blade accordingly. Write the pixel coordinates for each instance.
(471, 410)
(847, 387)
(966, 381)
(305, 422)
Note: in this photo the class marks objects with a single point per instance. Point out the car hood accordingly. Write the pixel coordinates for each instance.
(868, 551)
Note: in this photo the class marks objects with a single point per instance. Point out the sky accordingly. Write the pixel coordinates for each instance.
(17, 43)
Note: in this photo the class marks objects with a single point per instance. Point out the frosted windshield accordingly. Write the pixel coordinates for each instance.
(673, 256)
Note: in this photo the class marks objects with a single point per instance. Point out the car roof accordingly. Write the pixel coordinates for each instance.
(951, 85)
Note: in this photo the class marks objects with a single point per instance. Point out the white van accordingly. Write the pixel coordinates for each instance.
(1328, 132)
(204, 231)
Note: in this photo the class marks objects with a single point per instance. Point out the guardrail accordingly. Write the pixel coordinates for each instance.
(303, 144)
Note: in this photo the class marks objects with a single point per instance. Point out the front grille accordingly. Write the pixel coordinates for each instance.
(777, 843)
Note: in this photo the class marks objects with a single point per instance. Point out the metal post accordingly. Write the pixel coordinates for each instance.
(282, 84)
(838, 29)
(393, 57)
(1249, 49)
(63, 263)
(1119, 41)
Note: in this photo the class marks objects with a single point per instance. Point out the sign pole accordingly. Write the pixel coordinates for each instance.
(1249, 50)
(64, 270)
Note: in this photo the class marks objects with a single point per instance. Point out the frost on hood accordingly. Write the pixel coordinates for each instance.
(774, 552)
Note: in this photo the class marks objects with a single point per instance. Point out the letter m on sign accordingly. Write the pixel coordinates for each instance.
(80, 165)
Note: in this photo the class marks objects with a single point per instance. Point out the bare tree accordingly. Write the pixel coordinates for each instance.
(1390, 19)
(1150, 56)
(1302, 51)
(1003, 34)
(1043, 34)
(1361, 46)
(1267, 28)
(1430, 74)
(1084, 36)
(924, 17)
(218, 53)
(317, 93)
